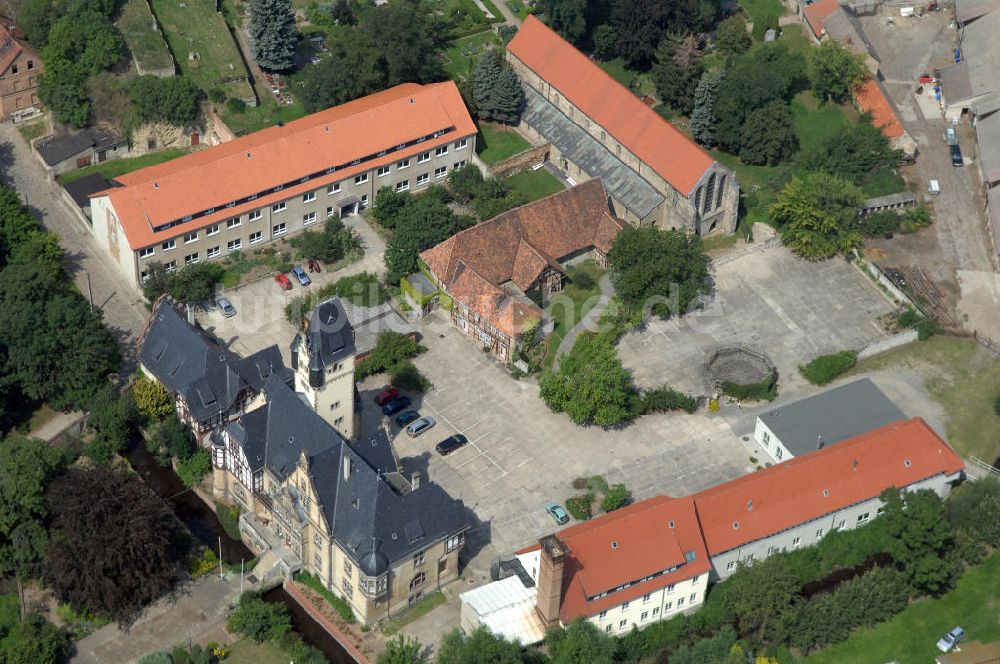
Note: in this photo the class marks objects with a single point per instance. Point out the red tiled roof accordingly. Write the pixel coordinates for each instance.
(675, 157)
(807, 487)
(517, 246)
(10, 48)
(871, 98)
(817, 12)
(629, 545)
(215, 176)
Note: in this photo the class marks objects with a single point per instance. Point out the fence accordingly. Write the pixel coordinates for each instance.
(985, 466)
(747, 250)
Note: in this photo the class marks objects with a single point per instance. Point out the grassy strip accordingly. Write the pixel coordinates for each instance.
(339, 605)
(496, 142)
(418, 610)
(115, 167)
(535, 184)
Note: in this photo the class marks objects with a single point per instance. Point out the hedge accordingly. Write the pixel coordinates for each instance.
(580, 506)
(765, 390)
(665, 398)
(825, 368)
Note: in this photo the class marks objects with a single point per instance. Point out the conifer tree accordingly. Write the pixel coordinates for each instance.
(273, 34)
(702, 115)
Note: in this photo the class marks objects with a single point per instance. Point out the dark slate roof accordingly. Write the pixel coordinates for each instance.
(376, 450)
(80, 190)
(634, 191)
(60, 147)
(371, 521)
(257, 368)
(328, 336)
(832, 416)
(189, 363)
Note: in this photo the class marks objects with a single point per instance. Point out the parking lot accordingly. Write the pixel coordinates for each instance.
(791, 309)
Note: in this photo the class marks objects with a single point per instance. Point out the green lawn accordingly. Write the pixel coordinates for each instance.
(194, 27)
(568, 308)
(267, 114)
(910, 637)
(963, 377)
(759, 9)
(461, 55)
(535, 184)
(33, 129)
(145, 42)
(496, 142)
(520, 9)
(245, 651)
(619, 71)
(815, 122)
(418, 610)
(114, 168)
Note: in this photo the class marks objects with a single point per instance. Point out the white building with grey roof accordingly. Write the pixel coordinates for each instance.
(827, 418)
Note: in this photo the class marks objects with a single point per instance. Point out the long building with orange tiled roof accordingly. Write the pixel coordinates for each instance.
(597, 128)
(247, 192)
(654, 559)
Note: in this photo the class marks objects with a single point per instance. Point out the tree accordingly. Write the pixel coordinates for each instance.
(761, 595)
(390, 349)
(173, 100)
(405, 375)
(273, 34)
(419, 225)
(112, 417)
(115, 545)
(676, 71)
(817, 215)
(485, 78)
(480, 647)
(466, 183)
(918, 535)
(578, 643)
(36, 18)
(342, 13)
(192, 469)
(195, 283)
(768, 135)
(852, 153)
(41, 250)
(404, 38)
(402, 650)
(702, 115)
(260, 620)
(605, 41)
(63, 89)
(16, 222)
(834, 71)
(27, 466)
(616, 498)
(591, 385)
(732, 37)
(34, 641)
(496, 90)
(172, 435)
(89, 39)
(720, 648)
(975, 510)
(567, 17)
(507, 98)
(330, 245)
(640, 26)
(658, 271)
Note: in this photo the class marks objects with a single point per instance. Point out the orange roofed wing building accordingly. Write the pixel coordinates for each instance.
(284, 179)
(594, 127)
(653, 559)
(497, 272)
(20, 67)
(815, 13)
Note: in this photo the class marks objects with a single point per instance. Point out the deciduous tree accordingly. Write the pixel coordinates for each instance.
(658, 271)
(402, 650)
(834, 71)
(567, 17)
(115, 547)
(768, 135)
(173, 99)
(975, 510)
(579, 642)
(480, 647)
(273, 34)
(34, 641)
(762, 595)
(919, 535)
(732, 37)
(591, 385)
(260, 620)
(817, 215)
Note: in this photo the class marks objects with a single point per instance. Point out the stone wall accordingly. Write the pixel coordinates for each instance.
(520, 162)
(888, 343)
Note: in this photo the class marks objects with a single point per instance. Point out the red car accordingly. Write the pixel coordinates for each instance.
(386, 395)
(283, 281)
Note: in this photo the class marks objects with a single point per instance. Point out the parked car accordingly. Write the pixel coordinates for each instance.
(394, 406)
(406, 417)
(948, 641)
(301, 275)
(956, 157)
(557, 513)
(283, 281)
(418, 427)
(227, 308)
(450, 444)
(950, 137)
(314, 265)
(388, 394)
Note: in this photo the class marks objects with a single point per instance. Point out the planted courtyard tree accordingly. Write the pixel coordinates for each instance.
(834, 71)
(273, 34)
(658, 271)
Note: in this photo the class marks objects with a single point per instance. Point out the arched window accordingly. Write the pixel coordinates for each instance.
(722, 189)
(697, 198)
(710, 189)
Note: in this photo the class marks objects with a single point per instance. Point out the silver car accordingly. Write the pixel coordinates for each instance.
(418, 427)
(227, 308)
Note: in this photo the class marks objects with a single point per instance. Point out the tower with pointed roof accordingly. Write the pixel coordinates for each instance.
(323, 363)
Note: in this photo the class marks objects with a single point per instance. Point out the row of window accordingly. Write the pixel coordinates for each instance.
(797, 541)
(424, 178)
(623, 624)
(645, 598)
(30, 63)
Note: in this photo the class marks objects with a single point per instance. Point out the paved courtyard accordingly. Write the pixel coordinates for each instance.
(791, 309)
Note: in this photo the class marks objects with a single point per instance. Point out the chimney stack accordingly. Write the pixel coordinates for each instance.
(550, 580)
(415, 480)
(819, 442)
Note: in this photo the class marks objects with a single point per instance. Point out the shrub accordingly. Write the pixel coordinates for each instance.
(260, 620)
(229, 517)
(666, 398)
(390, 349)
(203, 564)
(926, 329)
(152, 399)
(234, 105)
(616, 497)
(974, 509)
(195, 467)
(765, 390)
(362, 289)
(405, 375)
(908, 318)
(825, 368)
(580, 506)
(581, 278)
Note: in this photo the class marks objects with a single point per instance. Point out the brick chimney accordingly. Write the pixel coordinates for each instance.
(550, 578)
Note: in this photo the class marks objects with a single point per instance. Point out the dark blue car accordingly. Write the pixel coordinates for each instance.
(396, 405)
